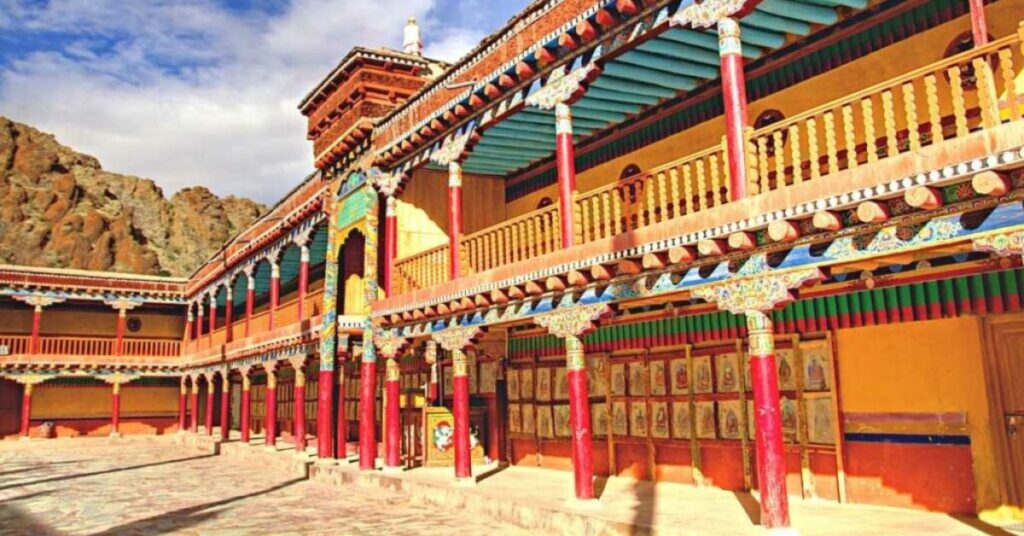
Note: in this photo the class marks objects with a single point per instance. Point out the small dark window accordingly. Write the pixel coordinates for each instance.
(631, 170)
(134, 324)
(544, 202)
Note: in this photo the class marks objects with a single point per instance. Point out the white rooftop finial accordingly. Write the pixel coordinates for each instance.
(412, 42)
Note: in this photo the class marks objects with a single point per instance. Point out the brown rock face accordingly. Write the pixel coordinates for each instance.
(59, 209)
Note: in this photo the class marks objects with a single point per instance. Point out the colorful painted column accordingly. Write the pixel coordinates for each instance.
(228, 316)
(454, 219)
(392, 417)
(303, 280)
(367, 406)
(328, 343)
(456, 340)
(771, 462)
(390, 242)
(209, 404)
(246, 410)
(270, 425)
(571, 325)
(225, 403)
(979, 27)
(194, 425)
(250, 296)
(565, 157)
(182, 406)
(299, 415)
(734, 93)
(341, 441)
(275, 292)
(26, 410)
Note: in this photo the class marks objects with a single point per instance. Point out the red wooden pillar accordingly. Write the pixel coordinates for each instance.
(324, 407)
(299, 416)
(579, 418)
(341, 441)
(367, 409)
(194, 425)
(431, 359)
(37, 321)
(182, 406)
(565, 157)
(26, 410)
(209, 405)
(200, 315)
(303, 280)
(225, 403)
(390, 242)
(189, 321)
(270, 424)
(979, 27)
(228, 316)
(734, 93)
(115, 409)
(771, 462)
(501, 403)
(460, 412)
(454, 219)
(275, 289)
(122, 319)
(393, 417)
(213, 315)
(250, 296)
(246, 411)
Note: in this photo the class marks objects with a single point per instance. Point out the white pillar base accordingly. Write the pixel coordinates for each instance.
(393, 470)
(466, 482)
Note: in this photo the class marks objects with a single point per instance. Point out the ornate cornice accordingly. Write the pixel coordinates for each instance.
(574, 321)
(757, 293)
(389, 344)
(457, 338)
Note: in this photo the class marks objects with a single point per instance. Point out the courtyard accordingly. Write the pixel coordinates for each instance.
(155, 485)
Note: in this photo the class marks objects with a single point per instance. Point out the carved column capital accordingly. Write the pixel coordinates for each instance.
(762, 292)
(574, 321)
(457, 338)
(388, 343)
(122, 305)
(452, 149)
(707, 13)
(38, 300)
(386, 183)
(562, 87)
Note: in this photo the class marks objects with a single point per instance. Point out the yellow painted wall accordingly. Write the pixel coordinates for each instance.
(923, 367)
(422, 209)
(58, 321)
(88, 401)
(893, 61)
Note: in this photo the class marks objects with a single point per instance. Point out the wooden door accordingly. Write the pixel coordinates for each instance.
(1005, 379)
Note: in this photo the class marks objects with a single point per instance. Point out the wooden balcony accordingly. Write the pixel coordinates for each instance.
(17, 347)
(941, 103)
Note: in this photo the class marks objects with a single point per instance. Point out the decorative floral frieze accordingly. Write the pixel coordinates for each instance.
(561, 87)
(707, 13)
(389, 344)
(575, 321)
(383, 182)
(1002, 244)
(452, 148)
(457, 338)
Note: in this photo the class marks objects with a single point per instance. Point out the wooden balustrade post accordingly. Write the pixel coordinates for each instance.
(735, 95)
(454, 219)
(390, 243)
(979, 27)
(565, 156)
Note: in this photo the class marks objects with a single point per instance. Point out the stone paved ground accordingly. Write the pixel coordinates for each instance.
(137, 486)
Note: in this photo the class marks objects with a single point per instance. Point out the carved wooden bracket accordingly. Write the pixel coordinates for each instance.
(458, 338)
(385, 183)
(388, 343)
(118, 378)
(123, 304)
(573, 322)
(707, 13)
(38, 300)
(452, 149)
(762, 292)
(561, 87)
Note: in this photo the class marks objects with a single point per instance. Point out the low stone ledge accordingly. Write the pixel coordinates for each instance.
(283, 462)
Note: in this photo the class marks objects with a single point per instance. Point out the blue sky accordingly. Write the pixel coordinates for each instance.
(203, 92)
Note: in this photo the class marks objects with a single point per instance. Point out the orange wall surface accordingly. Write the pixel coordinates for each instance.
(79, 323)
(923, 368)
(92, 401)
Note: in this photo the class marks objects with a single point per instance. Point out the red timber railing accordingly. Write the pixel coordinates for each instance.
(93, 346)
(286, 313)
(422, 270)
(949, 99)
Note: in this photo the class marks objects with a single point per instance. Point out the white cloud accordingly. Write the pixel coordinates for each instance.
(191, 93)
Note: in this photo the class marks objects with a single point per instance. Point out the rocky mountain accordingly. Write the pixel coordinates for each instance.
(59, 208)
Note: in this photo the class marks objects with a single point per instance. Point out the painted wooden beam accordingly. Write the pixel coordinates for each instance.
(705, 41)
(668, 64)
(671, 81)
(615, 96)
(593, 103)
(678, 50)
(630, 86)
(769, 21)
(803, 11)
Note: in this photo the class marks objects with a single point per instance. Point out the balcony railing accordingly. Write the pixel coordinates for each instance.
(949, 99)
(92, 346)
